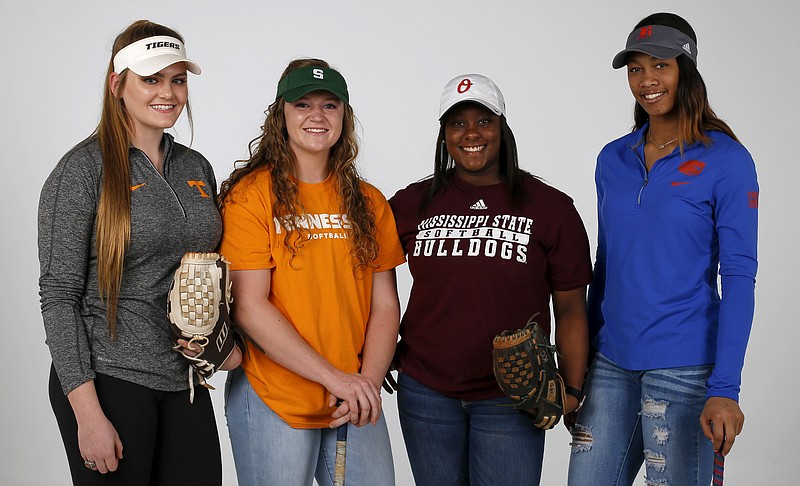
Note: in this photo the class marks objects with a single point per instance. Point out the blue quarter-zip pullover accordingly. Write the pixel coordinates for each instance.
(665, 239)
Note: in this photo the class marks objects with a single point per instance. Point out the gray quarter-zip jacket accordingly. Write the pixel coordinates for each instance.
(170, 215)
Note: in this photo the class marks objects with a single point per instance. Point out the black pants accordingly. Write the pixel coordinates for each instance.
(166, 440)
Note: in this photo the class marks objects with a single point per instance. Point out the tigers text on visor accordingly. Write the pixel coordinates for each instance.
(149, 56)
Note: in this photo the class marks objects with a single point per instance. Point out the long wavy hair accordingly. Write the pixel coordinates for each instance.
(114, 133)
(271, 151)
(695, 115)
(444, 166)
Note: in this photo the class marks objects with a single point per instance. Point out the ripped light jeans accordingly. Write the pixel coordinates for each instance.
(635, 416)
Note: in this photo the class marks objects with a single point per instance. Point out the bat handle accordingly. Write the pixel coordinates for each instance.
(719, 468)
(341, 455)
(341, 433)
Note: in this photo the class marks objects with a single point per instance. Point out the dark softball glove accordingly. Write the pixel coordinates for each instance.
(198, 306)
(525, 368)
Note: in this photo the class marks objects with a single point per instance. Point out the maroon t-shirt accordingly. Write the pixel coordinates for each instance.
(481, 267)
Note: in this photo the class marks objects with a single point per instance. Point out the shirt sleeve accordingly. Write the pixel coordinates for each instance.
(247, 229)
(399, 206)
(67, 207)
(736, 212)
(569, 264)
(212, 178)
(390, 252)
(597, 288)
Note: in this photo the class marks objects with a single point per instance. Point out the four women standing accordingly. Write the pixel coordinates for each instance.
(313, 249)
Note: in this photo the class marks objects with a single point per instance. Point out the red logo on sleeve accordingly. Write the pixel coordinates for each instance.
(691, 167)
(646, 32)
(752, 199)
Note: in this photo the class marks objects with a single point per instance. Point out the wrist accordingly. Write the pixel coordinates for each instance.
(86, 409)
(374, 378)
(234, 360)
(577, 394)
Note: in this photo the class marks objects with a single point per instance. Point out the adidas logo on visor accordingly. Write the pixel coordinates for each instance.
(687, 48)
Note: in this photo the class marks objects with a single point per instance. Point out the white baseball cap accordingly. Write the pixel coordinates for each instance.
(475, 88)
(151, 55)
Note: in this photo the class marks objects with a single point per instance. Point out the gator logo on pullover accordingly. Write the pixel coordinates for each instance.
(692, 167)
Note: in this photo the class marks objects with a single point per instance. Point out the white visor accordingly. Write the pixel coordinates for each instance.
(149, 56)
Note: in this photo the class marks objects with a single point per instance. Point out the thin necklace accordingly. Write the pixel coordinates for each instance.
(660, 145)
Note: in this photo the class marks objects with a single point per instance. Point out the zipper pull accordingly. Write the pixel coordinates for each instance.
(639, 199)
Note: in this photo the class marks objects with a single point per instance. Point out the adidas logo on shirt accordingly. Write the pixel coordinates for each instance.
(479, 205)
(687, 48)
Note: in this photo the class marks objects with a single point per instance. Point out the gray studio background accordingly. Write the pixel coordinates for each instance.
(551, 59)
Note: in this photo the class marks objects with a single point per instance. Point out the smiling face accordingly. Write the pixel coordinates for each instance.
(654, 84)
(154, 102)
(314, 123)
(473, 137)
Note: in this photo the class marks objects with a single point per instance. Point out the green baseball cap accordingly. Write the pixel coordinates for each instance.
(304, 80)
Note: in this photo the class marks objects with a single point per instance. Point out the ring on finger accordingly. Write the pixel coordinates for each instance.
(90, 464)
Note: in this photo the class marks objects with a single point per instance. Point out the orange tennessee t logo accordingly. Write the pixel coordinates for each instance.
(199, 185)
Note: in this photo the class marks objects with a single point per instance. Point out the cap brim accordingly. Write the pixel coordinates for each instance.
(155, 64)
(300, 91)
(659, 52)
(491, 107)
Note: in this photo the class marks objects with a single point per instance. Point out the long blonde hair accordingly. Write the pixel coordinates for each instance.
(114, 133)
(271, 150)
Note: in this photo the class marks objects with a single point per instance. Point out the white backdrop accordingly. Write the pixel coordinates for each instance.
(551, 59)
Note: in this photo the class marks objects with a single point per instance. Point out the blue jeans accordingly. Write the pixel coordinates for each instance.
(458, 442)
(266, 450)
(631, 417)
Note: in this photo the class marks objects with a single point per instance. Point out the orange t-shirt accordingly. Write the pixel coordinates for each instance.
(317, 291)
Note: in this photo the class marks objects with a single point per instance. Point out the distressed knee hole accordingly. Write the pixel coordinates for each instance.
(654, 409)
(655, 460)
(661, 434)
(581, 439)
(655, 482)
